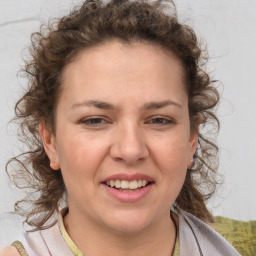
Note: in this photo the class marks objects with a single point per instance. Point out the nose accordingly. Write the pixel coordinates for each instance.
(129, 145)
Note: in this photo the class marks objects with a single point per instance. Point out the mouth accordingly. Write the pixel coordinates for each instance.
(128, 186)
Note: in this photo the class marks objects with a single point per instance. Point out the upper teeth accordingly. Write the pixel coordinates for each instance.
(125, 184)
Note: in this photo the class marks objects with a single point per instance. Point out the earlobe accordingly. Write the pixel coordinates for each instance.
(191, 164)
(49, 143)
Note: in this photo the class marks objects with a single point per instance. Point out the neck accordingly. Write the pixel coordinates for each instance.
(92, 239)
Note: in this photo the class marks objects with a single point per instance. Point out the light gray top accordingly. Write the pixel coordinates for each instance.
(195, 238)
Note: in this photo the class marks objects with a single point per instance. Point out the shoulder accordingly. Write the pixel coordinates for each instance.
(9, 251)
(241, 234)
(204, 237)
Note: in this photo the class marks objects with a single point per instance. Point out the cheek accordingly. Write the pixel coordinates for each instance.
(80, 162)
(171, 150)
(171, 155)
(80, 155)
(173, 172)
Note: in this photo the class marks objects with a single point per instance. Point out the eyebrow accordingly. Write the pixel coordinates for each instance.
(161, 104)
(106, 105)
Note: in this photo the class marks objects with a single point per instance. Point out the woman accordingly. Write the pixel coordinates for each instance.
(113, 117)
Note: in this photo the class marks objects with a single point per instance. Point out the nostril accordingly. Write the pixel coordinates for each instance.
(129, 150)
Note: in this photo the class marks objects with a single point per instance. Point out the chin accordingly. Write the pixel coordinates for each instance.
(129, 222)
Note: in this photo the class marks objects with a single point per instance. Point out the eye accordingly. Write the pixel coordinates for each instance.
(93, 121)
(160, 121)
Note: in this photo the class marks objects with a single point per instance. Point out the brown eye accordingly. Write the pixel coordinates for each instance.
(93, 121)
(160, 121)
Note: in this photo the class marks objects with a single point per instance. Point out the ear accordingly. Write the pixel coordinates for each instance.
(193, 141)
(49, 142)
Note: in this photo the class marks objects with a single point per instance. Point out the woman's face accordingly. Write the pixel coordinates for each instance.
(122, 120)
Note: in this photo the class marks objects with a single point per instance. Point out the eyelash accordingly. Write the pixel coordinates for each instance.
(165, 121)
(86, 121)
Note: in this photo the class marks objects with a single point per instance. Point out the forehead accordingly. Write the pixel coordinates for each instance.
(123, 69)
(115, 55)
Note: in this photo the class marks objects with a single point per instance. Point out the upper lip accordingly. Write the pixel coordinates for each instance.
(129, 177)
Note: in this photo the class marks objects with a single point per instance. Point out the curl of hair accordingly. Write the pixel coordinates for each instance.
(93, 23)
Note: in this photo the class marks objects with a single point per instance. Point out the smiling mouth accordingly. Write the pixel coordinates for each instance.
(127, 186)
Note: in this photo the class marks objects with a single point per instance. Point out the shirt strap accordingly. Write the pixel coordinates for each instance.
(65, 235)
(19, 246)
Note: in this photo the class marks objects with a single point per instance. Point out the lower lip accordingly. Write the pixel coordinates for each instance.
(129, 196)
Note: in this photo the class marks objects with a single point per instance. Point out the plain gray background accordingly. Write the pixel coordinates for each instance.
(227, 26)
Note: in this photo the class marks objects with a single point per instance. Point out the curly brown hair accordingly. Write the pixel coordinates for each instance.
(57, 44)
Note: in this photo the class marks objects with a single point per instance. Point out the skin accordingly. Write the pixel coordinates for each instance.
(124, 139)
(9, 251)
